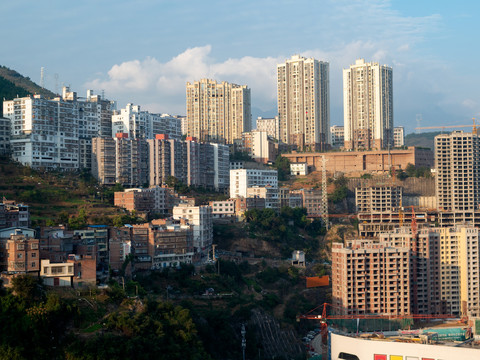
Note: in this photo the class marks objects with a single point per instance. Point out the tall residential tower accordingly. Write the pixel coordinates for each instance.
(457, 163)
(304, 102)
(218, 112)
(368, 106)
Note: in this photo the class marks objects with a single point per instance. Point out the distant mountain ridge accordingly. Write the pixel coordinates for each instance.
(13, 84)
(426, 140)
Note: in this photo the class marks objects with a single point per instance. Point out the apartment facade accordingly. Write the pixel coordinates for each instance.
(259, 146)
(269, 193)
(171, 245)
(425, 267)
(313, 201)
(371, 278)
(138, 123)
(130, 160)
(4, 136)
(223, 209)
(242, 179)
(154, 200)
(338, 136)
(13, 214)
(193, 163)
(398, 136)
(298, 169)
(47, 133)
(303, 93)
(218, 112)
(270, 125)
(436, 268)
(56, 274)
(457, 164)
(378, 199)
(368, 106)
(104, 160)
(459, 270)
(200, 217)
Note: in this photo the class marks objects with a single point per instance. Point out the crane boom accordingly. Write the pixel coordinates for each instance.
(324, 316)
(443, 127)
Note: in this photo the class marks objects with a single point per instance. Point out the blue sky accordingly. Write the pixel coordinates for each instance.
(144, 51)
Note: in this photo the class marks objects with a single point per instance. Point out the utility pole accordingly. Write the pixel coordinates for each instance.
(244, 341)
(214, 258)
(324, 206)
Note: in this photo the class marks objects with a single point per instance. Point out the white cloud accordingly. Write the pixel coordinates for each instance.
(369, 29)
(162, 85)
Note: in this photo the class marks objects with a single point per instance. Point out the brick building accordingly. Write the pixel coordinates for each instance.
(380, 161)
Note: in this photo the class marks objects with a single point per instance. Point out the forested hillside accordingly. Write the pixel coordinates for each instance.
(13, 84)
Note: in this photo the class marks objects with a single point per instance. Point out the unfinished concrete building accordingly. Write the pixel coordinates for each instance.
(370, 277)
(378, 199)
(457, 182)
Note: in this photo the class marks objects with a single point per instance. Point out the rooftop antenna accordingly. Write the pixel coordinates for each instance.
(42, 77)
(419, 121)
(56, 83)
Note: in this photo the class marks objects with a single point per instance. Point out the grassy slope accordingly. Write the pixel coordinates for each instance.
(48, 194)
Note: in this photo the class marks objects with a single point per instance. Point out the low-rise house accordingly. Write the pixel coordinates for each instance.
(57, 274)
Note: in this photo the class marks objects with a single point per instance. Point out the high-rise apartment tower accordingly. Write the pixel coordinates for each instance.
(218, 112)
(368, 106)
(457, 163)
(304, 102)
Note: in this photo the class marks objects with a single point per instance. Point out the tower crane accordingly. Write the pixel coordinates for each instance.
(324, 317)
(474, 127)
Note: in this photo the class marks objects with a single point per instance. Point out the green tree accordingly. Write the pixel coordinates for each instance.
(282, 164)
(410, 170)
(27, 287)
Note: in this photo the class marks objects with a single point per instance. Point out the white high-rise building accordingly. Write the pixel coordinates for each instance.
(44, 132)
(218, 112)
(457, 180)
(368, 106)
(303, 87)
(242, 179)
(56, 134)
(142, 124)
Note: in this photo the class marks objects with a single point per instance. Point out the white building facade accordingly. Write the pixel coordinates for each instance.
(368, 106)
(398, 136)
(142, 124)
(270, 125)
(201, 219)
(47, 133)
(338, 136)
(242, 179)
(303, 90)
